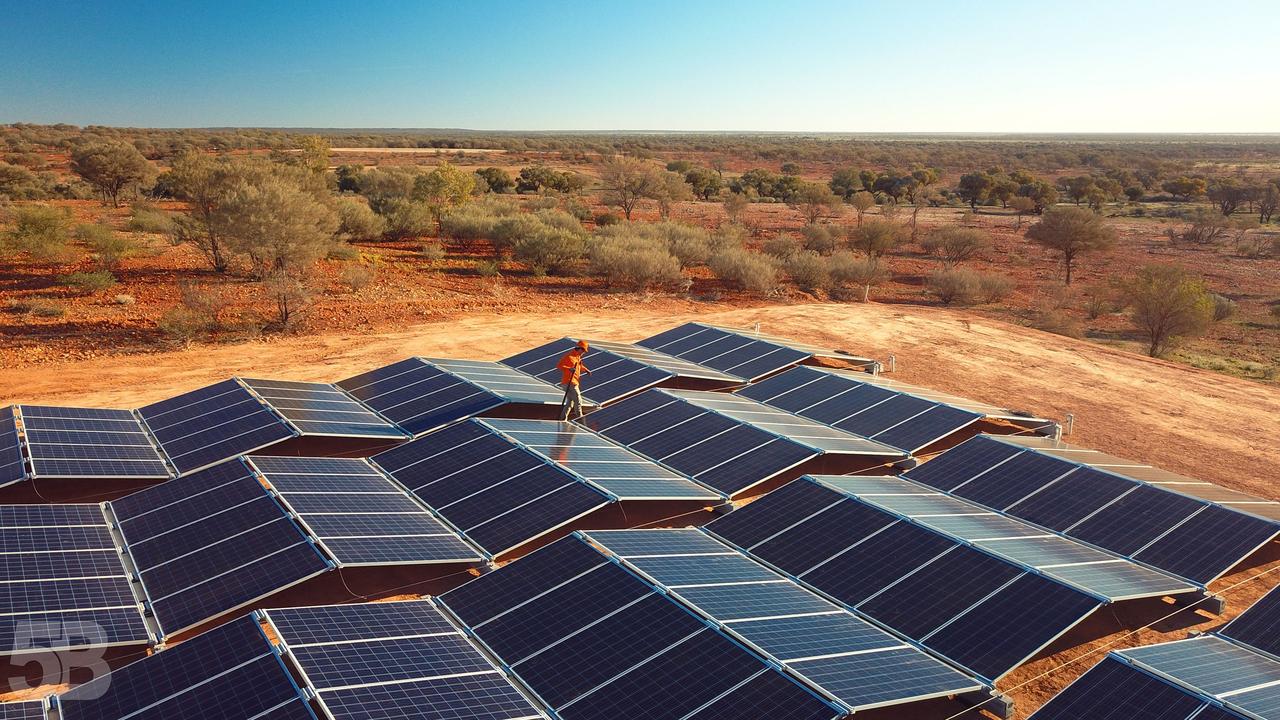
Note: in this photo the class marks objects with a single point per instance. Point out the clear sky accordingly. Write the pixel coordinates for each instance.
(815, 65)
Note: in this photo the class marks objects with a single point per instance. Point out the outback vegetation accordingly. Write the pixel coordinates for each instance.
(1165, 245)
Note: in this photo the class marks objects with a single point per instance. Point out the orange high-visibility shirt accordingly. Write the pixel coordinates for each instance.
(571, 367)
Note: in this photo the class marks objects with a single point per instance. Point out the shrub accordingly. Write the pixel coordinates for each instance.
(606, 219)
(993, 288)
(550, 250)
(44, 308)
(634, 262)
(182, 325)
(559, 219)
(875, 238)
(541, 202)
(577, 209)
(144, 218)
(208, 302)
(1168, 304)
(487, 268)
(38, 230)
(1059, 323)
(1096, 306)
(1223, 307)
(124, 299)
(356, 221)
(745, 270)
(954, 286)
(432, 252)
(781, 246)
(355, 277)
(509, 230)
(406, 218)
(343, 251)
(954, 245)
(848, 269)
(821, 239)
(88, 282)
(730, 235)
(808, 270)
(1207, 227)
(109, 248)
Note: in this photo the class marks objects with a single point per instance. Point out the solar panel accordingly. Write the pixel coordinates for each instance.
(230, 673)
(206, 426)
(840, 654)
(322, 409)
(23, 710)
(396, 659)
(421, 395)
(1098, 572)
(743, 354)
(12, 466)
(359, 516)
(608, 466)
(1114, 690)
(924, 584)
(211, 542)
(1216, 668)
(858, 403)
(730, 444)
(545, 613)
(62, 582)
(89, 443)
(1106, 505)
(1259, 625)
(613, 375)
(497, 493)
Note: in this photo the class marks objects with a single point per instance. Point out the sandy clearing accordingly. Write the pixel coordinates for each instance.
(1186, 420)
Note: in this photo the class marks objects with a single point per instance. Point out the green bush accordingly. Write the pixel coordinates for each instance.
(849, 270)
(634, 262)
(144, 218)
(38, 230)
(993, 288)
(542, 202)
(510, 230)
(550, 250)
(109, 248)
(559, 219)
(343, 251)
(355, 277)
(487, 268)
(469, 222)
(821, 239)
(406, 218)
(960, 286)
(356, 221)
(182, 325)
(745, 270)
(88, 282)
(808, 270)
(606, 219)
(432, 252)
(1223, 307)
(781, 246)
(46, 308)
(729, 235)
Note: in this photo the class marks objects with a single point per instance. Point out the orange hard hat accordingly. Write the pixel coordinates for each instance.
(582, 345)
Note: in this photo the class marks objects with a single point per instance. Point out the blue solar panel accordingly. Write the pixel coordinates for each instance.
(337, 623)
(321, 409)
(962, 463)
(229, 673)
(939, 591)
(1133, 521)
(806, 636)
(211, 542)
(612, 375)
(822, 536)
(695, 570)
(209, 425)
(1012, 480)
(737, 354)
(666, 541)
(89, 443)
(1209, 664)
(1259, 625)
(1071, 499)
(1113, 690)
(756, 522)
(885, 678)
(23, 710)
(1208, 544)
(62, 582)
(497, 493)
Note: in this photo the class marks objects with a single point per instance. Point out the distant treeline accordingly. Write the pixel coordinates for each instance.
(957, 152)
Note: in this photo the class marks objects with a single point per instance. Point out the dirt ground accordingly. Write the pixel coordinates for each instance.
(1191, 421)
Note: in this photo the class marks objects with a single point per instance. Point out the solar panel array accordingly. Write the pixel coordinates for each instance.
(206, 426)
(1259, 626)
(322, 409)
(982, 612)
(1218, 669)
(24, 710)
(855, 403)
(1069, 561)
(211, 542)
(1105, 505)
(595, 642)
(741, 354)
(726, 443)
(421, 395)
(837, 652)
(66, 442)
(1116, 690)
(617, 369)
(497, 493)
(62, 581)
(599, 462)
(395, 659)
(12, 464)
(358, 515)
(230, 673)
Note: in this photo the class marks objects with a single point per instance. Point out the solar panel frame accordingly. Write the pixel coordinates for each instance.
(108, 444)
(419, 537)
(1259, 625)
(1215, 668)
(24, 710)
(1116, 690)
(13, 467)
(342, 415)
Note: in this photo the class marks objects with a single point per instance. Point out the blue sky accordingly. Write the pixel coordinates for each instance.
(801, 65)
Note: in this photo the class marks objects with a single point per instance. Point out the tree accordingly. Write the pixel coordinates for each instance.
(1268, 201)
(670, 189)
(845, 183)
(204, 182)
(1071, 232)
(862, 202)
(815, 200)
(954, 245)
(496, 180)
(874, 238)
(734, 204)
(1168, 304)
(314, 154)
(1078, 188)
(1003, 188)
(110, 167)
(627, 181)
(281, 228)
(1041, 192)
(1184, 187)
(38, 230)
(704, 182)
(446, 186)
(923, 196)
(1227, 194)
(1021, 206)
(973, 188)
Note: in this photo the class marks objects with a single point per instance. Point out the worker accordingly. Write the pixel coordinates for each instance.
(571, 369)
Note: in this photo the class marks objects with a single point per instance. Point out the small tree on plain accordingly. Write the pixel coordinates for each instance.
(874, 238)
(815, 200)
(1022, 207)
(110, 167)
(954, 245)
(734, 204)
(862, 202)
(282, 228)
(38, 230)
(627, 181)
(1071, 232)
(1168, 304)
(848, 269)
(670, 189)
